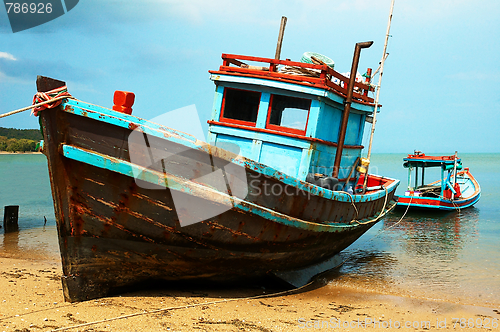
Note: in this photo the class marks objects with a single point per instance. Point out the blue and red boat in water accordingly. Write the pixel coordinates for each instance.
(457, 189)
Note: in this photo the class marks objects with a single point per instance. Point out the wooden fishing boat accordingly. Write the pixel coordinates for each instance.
(136, 200)
(457, 189)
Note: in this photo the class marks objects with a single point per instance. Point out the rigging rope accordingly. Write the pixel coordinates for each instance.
(382, 212)
(402, 217)
(50, 96)
(41, 99)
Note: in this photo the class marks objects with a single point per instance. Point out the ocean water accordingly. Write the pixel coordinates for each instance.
(24, 181)
(452, 256)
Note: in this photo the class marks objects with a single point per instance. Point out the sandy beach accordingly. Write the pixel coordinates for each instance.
(32, 300)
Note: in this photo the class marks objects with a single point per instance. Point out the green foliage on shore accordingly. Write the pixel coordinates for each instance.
(32, 134)
(19, 140)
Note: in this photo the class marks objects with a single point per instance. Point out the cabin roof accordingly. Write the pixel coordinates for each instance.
(303, 74)
(421, 160)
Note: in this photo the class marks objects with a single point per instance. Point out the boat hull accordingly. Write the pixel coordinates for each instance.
(469, 188)
(114, 232)
(435, 203)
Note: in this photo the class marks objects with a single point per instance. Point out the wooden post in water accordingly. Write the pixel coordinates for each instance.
(10, 218)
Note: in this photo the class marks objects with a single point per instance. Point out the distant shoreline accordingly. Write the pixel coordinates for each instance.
(30, 152)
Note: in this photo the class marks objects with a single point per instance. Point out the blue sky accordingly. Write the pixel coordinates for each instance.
(439, 90)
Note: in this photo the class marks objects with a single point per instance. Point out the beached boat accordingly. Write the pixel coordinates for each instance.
(136, 200)
(457, 189)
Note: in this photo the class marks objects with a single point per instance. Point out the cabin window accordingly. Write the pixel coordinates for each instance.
(240, 106)
(288, 114)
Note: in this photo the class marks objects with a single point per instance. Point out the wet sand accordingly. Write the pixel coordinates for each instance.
(32, 300)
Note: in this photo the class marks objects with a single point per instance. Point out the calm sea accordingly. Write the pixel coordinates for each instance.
(24, 181)
(451, 256)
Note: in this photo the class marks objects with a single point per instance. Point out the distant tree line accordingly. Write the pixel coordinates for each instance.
(32, 134)
(19, 140)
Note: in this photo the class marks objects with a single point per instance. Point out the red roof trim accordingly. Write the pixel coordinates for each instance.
(422, 156)
(269, 72)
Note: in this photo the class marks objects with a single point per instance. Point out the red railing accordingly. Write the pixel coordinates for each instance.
(234, 65)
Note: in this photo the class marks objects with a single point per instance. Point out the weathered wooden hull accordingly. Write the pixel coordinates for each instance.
(114, 232)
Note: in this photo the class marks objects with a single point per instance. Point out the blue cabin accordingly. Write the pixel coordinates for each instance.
(287, 114)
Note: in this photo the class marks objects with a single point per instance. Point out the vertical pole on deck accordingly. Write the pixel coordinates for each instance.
(347, 105)
(409, 178)
(416, 177)
(423, 175)
(280, 38)
(455, 169)
(384, 56)
(443, 184)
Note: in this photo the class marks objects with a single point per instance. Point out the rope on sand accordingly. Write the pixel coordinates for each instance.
(184, 307)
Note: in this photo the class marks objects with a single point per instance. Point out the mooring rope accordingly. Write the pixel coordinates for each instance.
(382, 214)
(354, 205)
(43, 100)
(402, 217)
(49, 96)
(456, 206)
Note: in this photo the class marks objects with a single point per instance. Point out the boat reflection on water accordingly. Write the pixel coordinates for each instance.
(10, 242)
(31, 243)
(433, 234)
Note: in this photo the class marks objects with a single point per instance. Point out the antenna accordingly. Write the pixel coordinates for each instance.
(384, 56)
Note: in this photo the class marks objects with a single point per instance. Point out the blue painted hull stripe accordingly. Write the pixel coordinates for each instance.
(458, 204)
(189, 187)
(112, 117)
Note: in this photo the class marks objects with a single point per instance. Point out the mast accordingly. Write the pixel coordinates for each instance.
(384, 56)
(280, 38)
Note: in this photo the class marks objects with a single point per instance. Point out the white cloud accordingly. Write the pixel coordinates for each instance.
(8, 56)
